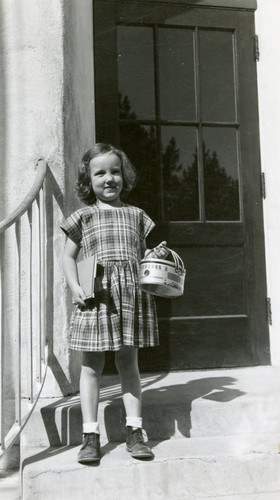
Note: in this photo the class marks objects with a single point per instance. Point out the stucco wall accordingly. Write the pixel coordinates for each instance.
(31, 93)
(31, 107)
(46, 99)
(267, 27)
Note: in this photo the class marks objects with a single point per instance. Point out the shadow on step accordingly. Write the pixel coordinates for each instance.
(166, 411)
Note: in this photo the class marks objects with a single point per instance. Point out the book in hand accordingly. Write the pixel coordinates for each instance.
(87, 274)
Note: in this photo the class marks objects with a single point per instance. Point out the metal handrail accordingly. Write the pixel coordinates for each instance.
(32, 211)
(28, 200)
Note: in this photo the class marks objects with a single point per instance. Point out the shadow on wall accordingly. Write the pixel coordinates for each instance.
(166, 412)
(53, 195)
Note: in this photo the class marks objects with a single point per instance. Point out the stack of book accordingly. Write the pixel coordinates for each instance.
(87, 274)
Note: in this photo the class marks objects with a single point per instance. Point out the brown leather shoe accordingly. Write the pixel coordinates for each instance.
(90, 450)
(135, 444)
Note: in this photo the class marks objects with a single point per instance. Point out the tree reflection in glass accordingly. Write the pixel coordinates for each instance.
(221, 184)
(179, 170)
(139, 143)
(180, 181)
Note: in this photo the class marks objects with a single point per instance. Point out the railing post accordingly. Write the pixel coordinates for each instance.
(43, 270)
(2, 257)
(36, 285)
(30, 346)
(18, 343)
(39, 340)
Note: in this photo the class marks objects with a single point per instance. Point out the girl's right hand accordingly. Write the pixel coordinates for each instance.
(78, 295)
(160, 251)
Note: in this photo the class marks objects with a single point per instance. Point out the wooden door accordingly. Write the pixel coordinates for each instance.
(176, 88)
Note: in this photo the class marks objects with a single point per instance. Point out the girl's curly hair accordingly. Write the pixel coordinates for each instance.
(83, 185)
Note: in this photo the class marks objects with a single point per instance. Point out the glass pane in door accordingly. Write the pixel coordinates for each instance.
(139, 143)
(217, 80)
(180, 177)
(136, 70)
(176, 74)
(221, 176)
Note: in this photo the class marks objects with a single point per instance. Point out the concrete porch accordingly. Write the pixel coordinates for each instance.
(214, 433)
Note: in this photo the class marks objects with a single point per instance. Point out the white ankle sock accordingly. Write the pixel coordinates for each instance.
(91, 427)
(135, 422)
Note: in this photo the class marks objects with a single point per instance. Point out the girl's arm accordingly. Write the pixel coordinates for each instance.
(69, 265)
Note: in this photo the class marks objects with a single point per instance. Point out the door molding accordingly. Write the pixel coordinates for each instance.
(225, 4)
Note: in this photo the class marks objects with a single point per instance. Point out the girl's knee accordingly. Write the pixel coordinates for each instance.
(93, 362)
(126, 360)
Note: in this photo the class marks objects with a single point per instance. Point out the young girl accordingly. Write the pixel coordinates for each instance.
(120, 318)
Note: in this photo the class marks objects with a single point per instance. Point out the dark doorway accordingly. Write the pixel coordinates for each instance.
(176, 89)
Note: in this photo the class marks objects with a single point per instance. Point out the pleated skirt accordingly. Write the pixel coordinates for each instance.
(119, 314)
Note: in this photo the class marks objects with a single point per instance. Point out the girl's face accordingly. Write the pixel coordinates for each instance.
(106, 177)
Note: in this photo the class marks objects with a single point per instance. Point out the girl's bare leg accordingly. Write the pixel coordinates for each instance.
(127, 364)
(92, 367)
(126, 360)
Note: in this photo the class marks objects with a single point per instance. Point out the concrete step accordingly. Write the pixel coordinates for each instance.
(9, 460)
(215, 434)
(10, 485)
(196, 404)
(183, 468)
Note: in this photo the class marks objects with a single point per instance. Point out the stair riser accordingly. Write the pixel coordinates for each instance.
(175, 479)
(62, 425)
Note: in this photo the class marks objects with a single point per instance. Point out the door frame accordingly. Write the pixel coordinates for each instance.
(240, 233)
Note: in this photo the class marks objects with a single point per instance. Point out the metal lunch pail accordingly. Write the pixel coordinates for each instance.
(161, 277)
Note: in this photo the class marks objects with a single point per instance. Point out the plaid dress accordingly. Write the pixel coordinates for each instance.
(120, 313)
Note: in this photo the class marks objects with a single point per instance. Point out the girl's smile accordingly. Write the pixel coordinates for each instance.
(106, 178)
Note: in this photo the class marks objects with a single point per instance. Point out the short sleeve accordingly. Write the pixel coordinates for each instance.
(72, 227)
(148, 224)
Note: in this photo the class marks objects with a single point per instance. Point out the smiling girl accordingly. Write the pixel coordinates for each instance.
(120, 317)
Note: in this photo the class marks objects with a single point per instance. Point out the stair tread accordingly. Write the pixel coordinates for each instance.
(175, 448)
(227, 466)
(207, 403)
(216, 435)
